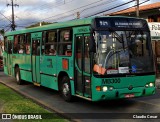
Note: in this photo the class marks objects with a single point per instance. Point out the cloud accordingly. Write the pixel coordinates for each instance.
(32, 11)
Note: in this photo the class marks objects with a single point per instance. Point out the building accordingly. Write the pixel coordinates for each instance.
(151, 13)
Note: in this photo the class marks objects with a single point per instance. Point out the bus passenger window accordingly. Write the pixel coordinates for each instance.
(22, 44)
(34, 48)
(51, 43)
(10, 47)
(15, 45)
(19, 44)
(46, 51)
(5, 44)
(21, 50)
(65, 43)
(68, 53)
(27, 49)
(52, 52)
(28, 44)
(38, 50)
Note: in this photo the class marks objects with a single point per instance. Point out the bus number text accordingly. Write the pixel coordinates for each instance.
(111, 81)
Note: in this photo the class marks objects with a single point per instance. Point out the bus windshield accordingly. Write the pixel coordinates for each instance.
(123, 52)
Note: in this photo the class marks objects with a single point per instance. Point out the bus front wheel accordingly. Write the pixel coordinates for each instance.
(18, 76)
(66, 89)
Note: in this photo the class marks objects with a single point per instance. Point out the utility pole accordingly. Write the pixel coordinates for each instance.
(78, 15)
(137, 8)
(13, 22)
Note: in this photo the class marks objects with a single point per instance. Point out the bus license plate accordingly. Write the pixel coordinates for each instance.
(129, 95)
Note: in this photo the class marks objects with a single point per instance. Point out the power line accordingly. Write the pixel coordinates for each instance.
(67, 16)
(131, 6)
(45, 7)
(114, 8)
(2, 8)
(70, 11)
(5, 17)
(103, 3)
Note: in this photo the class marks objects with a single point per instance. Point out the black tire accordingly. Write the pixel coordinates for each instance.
(18, 76)
(66, 89)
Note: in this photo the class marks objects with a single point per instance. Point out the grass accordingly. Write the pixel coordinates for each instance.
(12, 102)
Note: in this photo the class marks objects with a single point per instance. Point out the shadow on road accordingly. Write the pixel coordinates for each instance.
(109, 104)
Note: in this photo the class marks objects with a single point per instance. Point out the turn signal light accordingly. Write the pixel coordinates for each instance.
(98, 88)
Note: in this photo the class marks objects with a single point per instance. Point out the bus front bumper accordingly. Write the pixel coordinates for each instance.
(122, 93)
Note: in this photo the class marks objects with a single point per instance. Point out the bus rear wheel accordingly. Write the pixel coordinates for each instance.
(66, 89)
(18, 76)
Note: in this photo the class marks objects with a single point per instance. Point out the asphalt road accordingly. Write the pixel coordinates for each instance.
(83, 110)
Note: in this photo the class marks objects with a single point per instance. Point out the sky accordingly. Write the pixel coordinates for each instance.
(32, 11)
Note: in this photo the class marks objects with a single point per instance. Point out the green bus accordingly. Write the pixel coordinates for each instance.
(97, 58)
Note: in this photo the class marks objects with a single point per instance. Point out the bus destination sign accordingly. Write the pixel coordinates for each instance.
(119, 23)
(125, 24)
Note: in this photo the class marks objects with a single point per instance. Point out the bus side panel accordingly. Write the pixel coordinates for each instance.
(9, 64)
(48, 71)
(4, 63)
(5, 70)
(72, 87)
(49, 81)
(26, 75)
(24, 63)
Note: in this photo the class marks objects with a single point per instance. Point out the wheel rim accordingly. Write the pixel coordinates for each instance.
(65, 89)
(17, 77)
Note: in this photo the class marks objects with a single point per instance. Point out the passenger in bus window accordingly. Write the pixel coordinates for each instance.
(52, 52)
(27, 49)
(21, 49)
(42, 51)
(46, 51)
(16, 45)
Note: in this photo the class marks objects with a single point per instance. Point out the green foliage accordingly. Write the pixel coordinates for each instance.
(38, 24)
(2, 32)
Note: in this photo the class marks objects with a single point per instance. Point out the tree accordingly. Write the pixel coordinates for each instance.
(1, 44)
(38, 24)
(2, 32)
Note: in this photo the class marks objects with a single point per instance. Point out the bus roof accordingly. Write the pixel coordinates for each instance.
(72, 23)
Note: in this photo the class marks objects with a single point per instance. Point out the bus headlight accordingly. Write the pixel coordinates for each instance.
(104, 88)
(151, 84)
(110, 88)
(147, 85)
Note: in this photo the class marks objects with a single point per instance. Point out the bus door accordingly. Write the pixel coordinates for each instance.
(9, 57)
(82, 66)
(36, 60)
